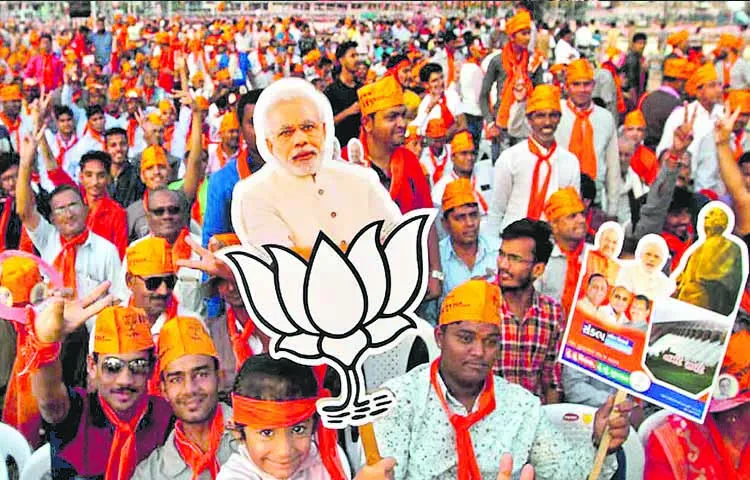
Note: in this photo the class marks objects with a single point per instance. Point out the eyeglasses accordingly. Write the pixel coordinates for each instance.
(113, 366)
(159, 211)
(153, 283)
(70, 208)
(512, 258)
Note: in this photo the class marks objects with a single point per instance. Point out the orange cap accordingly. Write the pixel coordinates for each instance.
(519, 21)
(704, 74)
(562, 203)
(201, 102)
(182, 336)
(381, 95)
(122, 330)
(9, 93)
(634, 119)
(462, 142)
(229, 122)
(457, 193)
(677, 38)
(221, 240)
(149, 256)
(677, 68)
(197, 77)
(435, 128)
(161, 37)
(152, 156)
(472, 301)
(165, 106)
(222, 75)
(733, 384)
(543, 97)
(20, 275)
(579, 69)
(154, 118)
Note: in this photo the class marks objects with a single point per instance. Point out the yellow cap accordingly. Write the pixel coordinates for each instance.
(182, 336)
(472, 301)
(150, 256)
(381, 95)
(122, 330)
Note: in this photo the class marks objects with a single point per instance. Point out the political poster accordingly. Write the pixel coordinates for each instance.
(659, 335)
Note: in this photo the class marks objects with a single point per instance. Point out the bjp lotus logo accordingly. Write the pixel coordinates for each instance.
(339, 308)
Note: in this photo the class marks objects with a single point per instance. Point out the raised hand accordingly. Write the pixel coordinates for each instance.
(725, 125)
(208, 262)
(185, 99)
(62, 314)
(683, 135)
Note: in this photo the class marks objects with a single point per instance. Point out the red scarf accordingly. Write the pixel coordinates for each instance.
(467, 462)
(241, 155)
(451, 73)
(445, 113)
(645, 164)
(132, 127)
(538, 195)
(168, 136)
(62, 148)
(194, 457)
(243, 169)
(180, 248)
(677, 247)
(240, 345)
(621, 108)
(148, 92)
(572, 270)
(437, 168)
(13, 127)
(47, 71)
(122, 454)
(513, 66)
(582, 140)
(65, 262)
(94, 134)
(738, 149)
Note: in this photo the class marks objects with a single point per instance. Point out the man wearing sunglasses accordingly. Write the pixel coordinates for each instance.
(108, 432)
(189, 376)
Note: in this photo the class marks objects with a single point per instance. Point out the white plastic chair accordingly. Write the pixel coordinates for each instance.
(650, 424)
(576, 421)
(13, 444)
(39, 465)
(390, 364)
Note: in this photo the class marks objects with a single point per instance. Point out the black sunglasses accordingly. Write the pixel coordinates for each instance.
(139, 366)
(160, 210)
(153, 283)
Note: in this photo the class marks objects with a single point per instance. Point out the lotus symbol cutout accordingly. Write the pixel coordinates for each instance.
(339, 308)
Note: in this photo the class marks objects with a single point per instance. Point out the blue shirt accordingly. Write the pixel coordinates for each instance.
(457, 272)
(103, 45)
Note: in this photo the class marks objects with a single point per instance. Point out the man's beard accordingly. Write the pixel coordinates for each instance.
(520, 287)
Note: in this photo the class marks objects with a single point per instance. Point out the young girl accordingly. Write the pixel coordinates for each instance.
(276, 421)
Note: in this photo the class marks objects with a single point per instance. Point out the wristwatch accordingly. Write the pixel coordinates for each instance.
(438, 275)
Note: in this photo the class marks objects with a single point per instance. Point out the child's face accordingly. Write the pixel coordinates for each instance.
(638, 311)
(619, 300)
(280, 451)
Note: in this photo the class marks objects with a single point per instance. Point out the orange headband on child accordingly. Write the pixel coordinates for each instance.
(270, 414)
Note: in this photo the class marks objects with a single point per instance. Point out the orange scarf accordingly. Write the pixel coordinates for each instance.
(65, 262)
(168, 135)
(13, 127)
(269, 414)
(645, 164)
(241, 155)
(180, 249)
(445, 113)
(62, 148)
(437, 168)
(738, 150)
(538, 195)
(513, 65)
(451, 78)
(263, 61)
(727, 67)
(132, 127)
(621, 108)
(243, 169)
(148, 92)
(572, 270)
(94, 134)
(467, 461)
(582, 140)
(240, 345)
(194, 457)
(122, 454)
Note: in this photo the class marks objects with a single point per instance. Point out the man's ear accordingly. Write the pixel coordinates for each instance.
(90, 366)
(439, 335)
(129, 280)
(368, 122)
(538, 270)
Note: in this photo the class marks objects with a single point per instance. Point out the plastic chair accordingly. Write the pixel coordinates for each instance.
(650, 424)
(13, 444)
(576, 421)
(39, 465)
(390, 364)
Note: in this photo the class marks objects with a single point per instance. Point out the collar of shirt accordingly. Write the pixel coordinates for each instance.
(669, 90)
(482, 250)
(99, 419)
(455, 406)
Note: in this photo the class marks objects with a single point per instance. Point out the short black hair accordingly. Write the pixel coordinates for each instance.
(7, 160)
(92, 110)
(596, 275)
(426, 71)
(745, 158)
(45, 35)
(59, 110)
(345, 47)
(96, 156)
(394, 60)
(682, 199)
(62, 189)
(267, 378)
(643, 298)
(639, 36)
(250, 98)
(537, 230)
(588, 187)
(115, 131)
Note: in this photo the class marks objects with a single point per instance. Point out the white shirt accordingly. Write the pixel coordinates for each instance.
(242, 41)
(481, 178)
(704, 124)
(86, 144)
(272, 206)
(470, 86)
(514, 173)
(97, 260)
(426, 160)
(706, 173)
(423, 116)
(54, 146)
(565, 53)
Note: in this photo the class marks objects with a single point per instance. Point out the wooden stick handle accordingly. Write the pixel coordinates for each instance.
(601, 454)
(369, 443)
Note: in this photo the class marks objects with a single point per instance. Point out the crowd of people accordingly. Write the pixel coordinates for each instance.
(132, 151)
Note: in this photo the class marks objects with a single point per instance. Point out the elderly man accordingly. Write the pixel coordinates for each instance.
(432, 415)
(732, 69)
(713, 278)
(301, 190)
